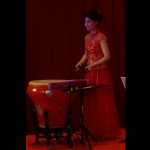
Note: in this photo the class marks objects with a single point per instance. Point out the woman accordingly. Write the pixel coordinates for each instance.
(100, 111)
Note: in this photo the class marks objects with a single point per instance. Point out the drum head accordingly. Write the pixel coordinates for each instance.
(45, 82)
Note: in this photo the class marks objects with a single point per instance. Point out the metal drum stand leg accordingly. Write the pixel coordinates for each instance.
(68, 129)
(84, 130)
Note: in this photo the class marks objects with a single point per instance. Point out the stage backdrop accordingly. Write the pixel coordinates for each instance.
(55, 42)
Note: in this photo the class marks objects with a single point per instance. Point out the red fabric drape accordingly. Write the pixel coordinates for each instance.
(55, 42)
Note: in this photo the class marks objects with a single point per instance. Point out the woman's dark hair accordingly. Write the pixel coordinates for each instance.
(95, 16)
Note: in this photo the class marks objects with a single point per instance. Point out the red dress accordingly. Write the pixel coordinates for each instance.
(100, 111)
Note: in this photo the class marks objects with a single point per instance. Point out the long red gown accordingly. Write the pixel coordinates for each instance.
(100, 111)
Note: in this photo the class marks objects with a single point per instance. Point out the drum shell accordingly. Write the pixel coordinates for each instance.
(56, 105)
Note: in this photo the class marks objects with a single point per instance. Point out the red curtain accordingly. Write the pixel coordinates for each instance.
(55, 42)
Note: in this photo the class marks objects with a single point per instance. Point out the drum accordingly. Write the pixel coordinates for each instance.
(54, 101)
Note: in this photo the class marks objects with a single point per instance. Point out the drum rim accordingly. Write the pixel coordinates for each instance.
(45, 82)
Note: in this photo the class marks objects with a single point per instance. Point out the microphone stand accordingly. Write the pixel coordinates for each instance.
(68, 129)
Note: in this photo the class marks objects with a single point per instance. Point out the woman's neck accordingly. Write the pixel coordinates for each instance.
(94, 31)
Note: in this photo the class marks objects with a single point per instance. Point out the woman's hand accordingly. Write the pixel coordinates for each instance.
(81, 62)
(87, 69)
(77, 67)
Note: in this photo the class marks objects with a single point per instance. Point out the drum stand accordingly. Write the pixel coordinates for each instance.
(68, 129)
(84, 131)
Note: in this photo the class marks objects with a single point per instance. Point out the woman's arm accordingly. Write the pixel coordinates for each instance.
(82, 61)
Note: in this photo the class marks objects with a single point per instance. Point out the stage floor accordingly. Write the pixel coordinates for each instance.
(106, 145)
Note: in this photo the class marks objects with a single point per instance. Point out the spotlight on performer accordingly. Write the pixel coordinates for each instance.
(48, 93)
